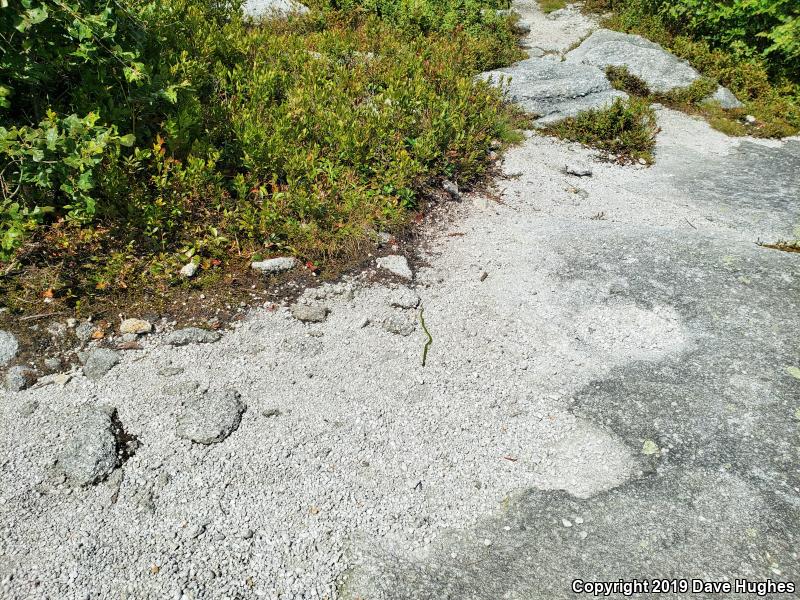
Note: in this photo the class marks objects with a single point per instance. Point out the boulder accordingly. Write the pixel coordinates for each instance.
(404, 298)
(135, 326)
(85, 330)
(725, 98)
(555, 90)
(578, 169)
(188, 270)
(399, 325)
(309, 313)
(452, 189)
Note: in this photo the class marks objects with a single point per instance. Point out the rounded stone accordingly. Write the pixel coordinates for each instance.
(136, 326)
(20, 378)
(89, 453)
(309, 313)
(210, 418)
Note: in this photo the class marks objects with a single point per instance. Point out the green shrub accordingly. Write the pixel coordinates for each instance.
(163, 129)
(549, 6)
(622, 79)
(626, 130)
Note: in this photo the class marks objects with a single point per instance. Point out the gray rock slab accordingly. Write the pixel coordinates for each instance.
(555, 90)
(546, 540)
(191, 335)
(99, 362)
(756, 185)
(661, 70)
(647, 60)
(9, 346)
(211, 417)
(89, 451)
(273, 9)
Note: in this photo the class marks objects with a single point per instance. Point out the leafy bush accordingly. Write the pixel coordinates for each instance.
(626, 130)
(750, 28)
(162, 129)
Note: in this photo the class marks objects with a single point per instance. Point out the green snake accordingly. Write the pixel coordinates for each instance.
(428, 333)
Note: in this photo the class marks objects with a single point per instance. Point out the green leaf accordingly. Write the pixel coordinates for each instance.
(31, 17)
(85, 181)
(170, 94)
(794, 372)
(51, 136)
(127, 140)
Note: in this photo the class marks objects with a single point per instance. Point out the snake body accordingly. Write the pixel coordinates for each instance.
(428, 333)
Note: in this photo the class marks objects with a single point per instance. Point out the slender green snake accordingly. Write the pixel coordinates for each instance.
(428, 333)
